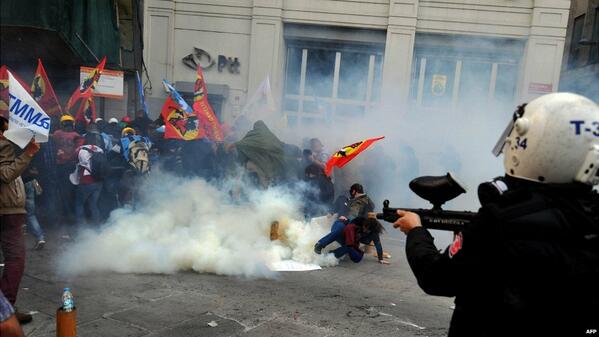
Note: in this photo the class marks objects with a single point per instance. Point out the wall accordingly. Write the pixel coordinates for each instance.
(253, 32)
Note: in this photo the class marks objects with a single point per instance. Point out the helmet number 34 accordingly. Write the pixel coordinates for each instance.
(521, 143)
(581, 127)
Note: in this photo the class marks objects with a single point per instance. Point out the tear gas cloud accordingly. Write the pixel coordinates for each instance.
(190, 224)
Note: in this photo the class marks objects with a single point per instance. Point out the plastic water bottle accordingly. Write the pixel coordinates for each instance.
(67, 300)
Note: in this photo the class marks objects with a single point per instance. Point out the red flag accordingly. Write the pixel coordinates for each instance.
(86, 89)
(4, 98)
(179, 124)
(347, 153)
(43, 93)
(87, 111)
(208, 121)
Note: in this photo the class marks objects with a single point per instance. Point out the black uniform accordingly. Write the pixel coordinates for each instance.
(528, 266)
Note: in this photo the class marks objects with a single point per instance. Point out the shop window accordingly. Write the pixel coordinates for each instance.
(328, 82)
(450, 74)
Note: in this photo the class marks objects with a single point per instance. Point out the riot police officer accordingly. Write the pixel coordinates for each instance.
(529, 264)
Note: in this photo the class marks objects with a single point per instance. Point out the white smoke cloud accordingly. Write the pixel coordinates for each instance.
(190, 224)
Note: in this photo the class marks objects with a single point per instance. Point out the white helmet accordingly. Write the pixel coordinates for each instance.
(553, 139)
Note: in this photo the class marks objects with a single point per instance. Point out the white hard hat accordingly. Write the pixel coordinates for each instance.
(113, 121)
(554, 139)
(98, 119)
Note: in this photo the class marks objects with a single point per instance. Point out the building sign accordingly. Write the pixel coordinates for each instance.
(540, 88)
(439, 84)
(206, 61)
(110, 84)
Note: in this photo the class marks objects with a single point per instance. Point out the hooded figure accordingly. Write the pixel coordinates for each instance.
(263, 154)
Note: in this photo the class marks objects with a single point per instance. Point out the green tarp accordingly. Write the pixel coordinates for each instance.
(93, 21)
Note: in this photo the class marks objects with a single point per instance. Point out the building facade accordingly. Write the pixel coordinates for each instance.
(580, 67)
(331, 59)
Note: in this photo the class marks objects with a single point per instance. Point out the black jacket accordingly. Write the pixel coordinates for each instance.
(528, 266)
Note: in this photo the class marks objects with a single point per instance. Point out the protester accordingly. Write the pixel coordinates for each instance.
(113, 128)
(349, 234)
(359, 203)
(141, 122)
(318, 156)
(65, 141)
(9, 324)
(12, 215)
(88, 177)
(320, 192)
(33, 188)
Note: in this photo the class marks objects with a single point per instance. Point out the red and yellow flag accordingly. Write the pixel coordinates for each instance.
(87, 111)
(43, 93)
(86, 89)
(178, 124)
(208, 121)
(347, 153)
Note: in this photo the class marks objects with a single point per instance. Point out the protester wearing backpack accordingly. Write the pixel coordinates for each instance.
(88, 175)
(136, 152)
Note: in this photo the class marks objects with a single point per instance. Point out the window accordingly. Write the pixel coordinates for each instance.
(325, 82)
(467, 73)
(574, 41)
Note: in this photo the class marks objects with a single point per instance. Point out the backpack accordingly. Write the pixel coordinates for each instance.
(139, 156)
(100, 168)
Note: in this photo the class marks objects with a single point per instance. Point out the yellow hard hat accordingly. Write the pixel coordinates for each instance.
(67, 118)
(127, 131)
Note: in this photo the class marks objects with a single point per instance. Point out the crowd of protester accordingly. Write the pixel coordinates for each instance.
(87, 170)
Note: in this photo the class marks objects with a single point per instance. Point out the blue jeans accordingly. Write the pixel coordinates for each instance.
(354, 254)
(87, 194)
(336, 234)
(31, 219)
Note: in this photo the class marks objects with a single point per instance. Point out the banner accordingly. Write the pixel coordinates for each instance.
(43, 93)
(202, 108)
(261, 102)
(26, 118)
(86, 88)
(142, 96)
(347, 153)
(109, 85)
(179, 124)
(4, 98)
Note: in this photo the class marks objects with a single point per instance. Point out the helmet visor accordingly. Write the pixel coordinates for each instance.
(498, 148)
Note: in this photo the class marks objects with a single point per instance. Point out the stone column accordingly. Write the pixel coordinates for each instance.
(399, 52)
(544, 49)
(267, 46)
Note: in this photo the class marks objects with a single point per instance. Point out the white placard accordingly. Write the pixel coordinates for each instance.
(26, 118)
(110, 84)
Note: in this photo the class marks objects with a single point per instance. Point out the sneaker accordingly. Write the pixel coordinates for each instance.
(40, 244)
(22, 317)
(317, 248)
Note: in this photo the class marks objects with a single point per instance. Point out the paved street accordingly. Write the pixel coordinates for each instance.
(365, 299)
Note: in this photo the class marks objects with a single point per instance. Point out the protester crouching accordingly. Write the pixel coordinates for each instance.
(12, 215)
(349, 235)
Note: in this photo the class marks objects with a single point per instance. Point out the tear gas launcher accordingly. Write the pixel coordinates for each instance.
(437, 190)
